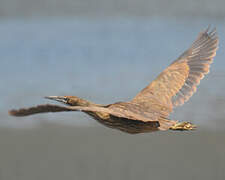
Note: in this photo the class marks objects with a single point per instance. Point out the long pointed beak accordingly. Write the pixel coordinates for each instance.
(61, 99)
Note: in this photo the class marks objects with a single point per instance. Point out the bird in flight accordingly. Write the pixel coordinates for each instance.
(148, 111)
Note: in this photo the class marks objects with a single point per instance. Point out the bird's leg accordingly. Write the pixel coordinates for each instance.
(183, 126)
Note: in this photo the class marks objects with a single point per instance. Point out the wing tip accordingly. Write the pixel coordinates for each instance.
(208, 37)
(14, 112)
(211, 32)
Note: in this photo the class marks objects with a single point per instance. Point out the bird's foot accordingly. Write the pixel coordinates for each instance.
(183, 126)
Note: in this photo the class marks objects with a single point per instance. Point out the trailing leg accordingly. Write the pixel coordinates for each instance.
(183, 126)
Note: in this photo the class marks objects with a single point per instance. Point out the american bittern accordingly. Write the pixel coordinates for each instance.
(149, 110)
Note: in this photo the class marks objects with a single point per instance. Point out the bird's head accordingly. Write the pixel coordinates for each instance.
(69, 100)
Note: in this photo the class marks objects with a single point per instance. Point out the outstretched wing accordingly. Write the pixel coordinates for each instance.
(38, 109)
(177, 83)
(115, 111)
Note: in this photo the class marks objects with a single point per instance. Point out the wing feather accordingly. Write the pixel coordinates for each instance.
(44, 108)
(178, 82)
(117, 111)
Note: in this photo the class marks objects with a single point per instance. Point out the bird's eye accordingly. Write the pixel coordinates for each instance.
(66, 100)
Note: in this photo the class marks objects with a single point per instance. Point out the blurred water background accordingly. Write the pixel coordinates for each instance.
(105, 51)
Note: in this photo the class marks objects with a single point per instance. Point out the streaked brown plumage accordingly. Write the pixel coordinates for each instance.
(150, 109)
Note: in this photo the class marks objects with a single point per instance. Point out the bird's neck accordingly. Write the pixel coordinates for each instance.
(81, 102)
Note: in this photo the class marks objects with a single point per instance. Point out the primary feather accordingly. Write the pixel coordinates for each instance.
(177, 83)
